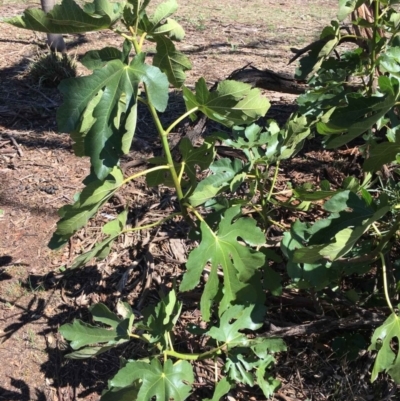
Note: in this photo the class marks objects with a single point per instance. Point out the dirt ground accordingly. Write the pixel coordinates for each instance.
(39, 174)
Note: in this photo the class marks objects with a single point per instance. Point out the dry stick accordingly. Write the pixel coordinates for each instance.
(41, 93)
(326, 325)
(19, 150)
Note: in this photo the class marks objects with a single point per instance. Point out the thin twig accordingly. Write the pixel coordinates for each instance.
(13, 140)
(41, 93)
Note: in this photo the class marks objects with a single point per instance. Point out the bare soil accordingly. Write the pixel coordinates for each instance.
(39, 173)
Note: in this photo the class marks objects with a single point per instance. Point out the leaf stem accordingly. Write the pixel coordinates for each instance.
(133, 39)
(170, 341)
(376, 230)
(181, 118)
(195, 212)
(385, 286)
(373, 46)
(372, 256)
(140, 99)
(194, 357)
(151, 225)
(125, 36)
(141, 40)
(275, 223)
(167, 151)
(144, 172)
(274, 180)
(137, 337)
(181, 172)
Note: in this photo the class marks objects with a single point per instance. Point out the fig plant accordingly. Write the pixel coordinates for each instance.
(353, 96)
(100, 113)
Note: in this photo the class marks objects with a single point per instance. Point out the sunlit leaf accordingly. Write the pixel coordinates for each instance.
(234, 319)
(221, 389)
(168, 382)
(171, 61)
(93, 196)
(232, 103)
(69, 17)
(161, 318)
(81, 334)
(223, 172)
(222, 250)
(387, 358)
(105, 142)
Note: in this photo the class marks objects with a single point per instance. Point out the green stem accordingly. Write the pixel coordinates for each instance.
(274, 180)
(151, 225)
(141, 100)
(170, 341)
(344, 37)
(125, 36)
(181, 172)
(167, 151)
(373, 46)
(195, 212)
(385, 285)
(138, 337)
(181, 118)
(275, 223)
(164, 142)
(194, 357)
(144, 172)
(374, 255)
(142, 38)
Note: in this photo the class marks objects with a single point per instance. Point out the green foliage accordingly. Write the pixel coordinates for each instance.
(386, 360)
(231, 103)
(93, 196)
(171, 381)
(69, 17)
(232, 206)
(110, 93)
(222, 250)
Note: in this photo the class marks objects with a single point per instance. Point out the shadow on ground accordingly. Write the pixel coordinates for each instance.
(72, 379)
(22, 392)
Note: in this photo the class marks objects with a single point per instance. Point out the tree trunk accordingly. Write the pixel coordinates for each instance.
(55, 41)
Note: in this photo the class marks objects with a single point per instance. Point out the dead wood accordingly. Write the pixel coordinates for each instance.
(268, 79)
(327, 324)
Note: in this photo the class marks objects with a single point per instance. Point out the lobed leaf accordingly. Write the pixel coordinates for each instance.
(171, 61)
(234, 319)
(95, 59)
(93, 196)
(232, 103)
(223, 172)
(221, 389)
(68, 17)
(221, 249)
(360, 114)
(160, 320)
(168, 382)
(113, 89)
(387, 359)
(81, 334)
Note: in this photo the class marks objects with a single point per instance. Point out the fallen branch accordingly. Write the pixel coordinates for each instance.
(268, 79)
(327, 324)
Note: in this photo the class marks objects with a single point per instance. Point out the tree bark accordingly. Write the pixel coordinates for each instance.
(55, 41)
